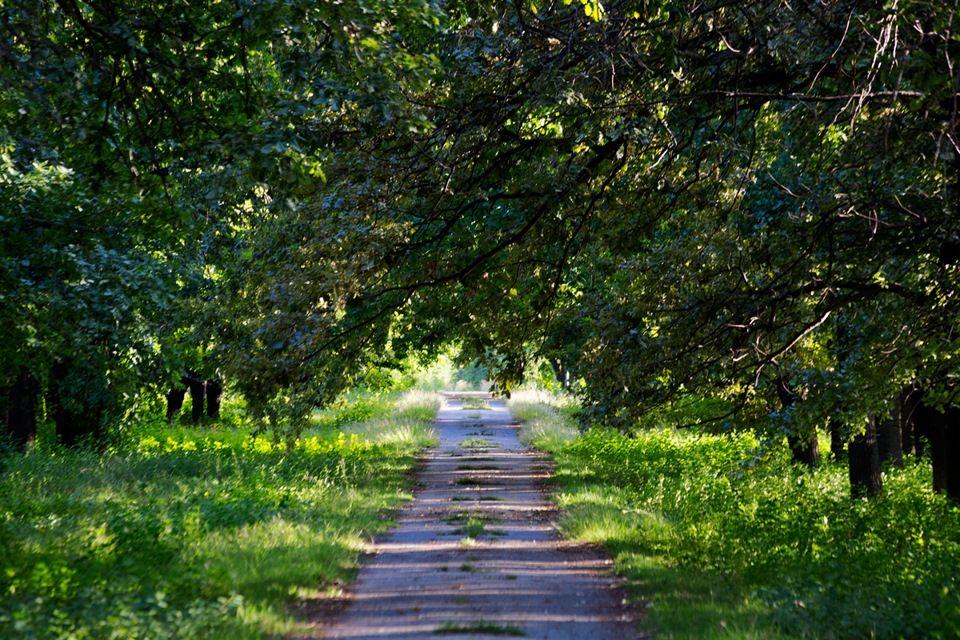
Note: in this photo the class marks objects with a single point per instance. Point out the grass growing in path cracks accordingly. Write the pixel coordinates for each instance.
(479, 627)
(476, 443)
(475, 404)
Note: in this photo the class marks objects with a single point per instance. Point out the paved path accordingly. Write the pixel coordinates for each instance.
(429, 575)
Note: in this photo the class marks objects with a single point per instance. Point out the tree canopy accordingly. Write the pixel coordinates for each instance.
(752, 201)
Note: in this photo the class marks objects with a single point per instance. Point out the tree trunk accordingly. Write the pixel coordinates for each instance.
(562, 375)
(864, 459)
(76, 403)
(930, 425)
(837, 445)
(889, 441)
(21, 410)
(905, 415)
(195, 385)
(214, 391)
(951, 453)
(805, 448)
(174, 403)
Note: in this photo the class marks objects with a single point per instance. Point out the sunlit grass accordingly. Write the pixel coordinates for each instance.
(197, 532)
(720, 544)
(542, 424)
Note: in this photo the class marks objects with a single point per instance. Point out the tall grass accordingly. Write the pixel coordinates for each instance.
(193, 533)
(545, 417)
(723, 545)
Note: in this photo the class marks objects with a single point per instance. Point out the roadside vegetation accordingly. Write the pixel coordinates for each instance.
(721, 536)
(191, 532)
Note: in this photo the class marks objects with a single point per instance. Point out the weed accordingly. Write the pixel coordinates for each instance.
(475, 404)
(473, 528)
(475, 443)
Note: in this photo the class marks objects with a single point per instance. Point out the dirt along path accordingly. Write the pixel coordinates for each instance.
(476, 555)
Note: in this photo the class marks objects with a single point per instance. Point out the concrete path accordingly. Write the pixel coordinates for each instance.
(475, 554)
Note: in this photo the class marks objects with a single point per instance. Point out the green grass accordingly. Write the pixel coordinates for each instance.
(476, 443)
(475, 404)
(721, 544)
(182, 532)
(476, 498)
(544, 423)
(472, 528)
(479, 627)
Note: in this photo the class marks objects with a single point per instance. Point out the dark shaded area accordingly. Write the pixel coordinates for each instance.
(214, 393)
(864, 456)
(21, 409)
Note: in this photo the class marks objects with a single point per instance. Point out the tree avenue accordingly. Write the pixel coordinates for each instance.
(752, 205)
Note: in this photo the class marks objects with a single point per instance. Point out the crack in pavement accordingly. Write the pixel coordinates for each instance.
(476, 553)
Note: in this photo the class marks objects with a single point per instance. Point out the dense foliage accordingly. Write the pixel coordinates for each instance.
(660, 198)
(749, 208)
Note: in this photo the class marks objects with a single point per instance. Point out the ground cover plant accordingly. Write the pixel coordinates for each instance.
(723, 543)
(197, 533)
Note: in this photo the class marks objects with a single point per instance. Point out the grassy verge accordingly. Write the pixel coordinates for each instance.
(721, 548)
(197, 533)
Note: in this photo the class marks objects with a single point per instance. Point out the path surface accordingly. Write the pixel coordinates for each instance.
(515, 576)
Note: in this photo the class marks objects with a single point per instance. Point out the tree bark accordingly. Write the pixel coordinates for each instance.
(195, 384)
(562, 375)
(804, 447)
(214, 392)
(864, 460)
(806, 450)
(174, 403)
(951, 453)
(889, 441)
(905, 415)
(21, 410)
(930, 424)
(838, 448)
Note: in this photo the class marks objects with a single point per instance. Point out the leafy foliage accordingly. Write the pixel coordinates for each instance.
(191, 532)
(684, 516)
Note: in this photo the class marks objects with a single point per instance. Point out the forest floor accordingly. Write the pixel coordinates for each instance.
(476, 553)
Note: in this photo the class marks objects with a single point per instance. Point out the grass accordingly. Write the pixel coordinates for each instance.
(545, 425)
(723, 544)
(472, 528)
(476, 443)
(184, 532)
(462, 516)
(479, 627)
(475, 404)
